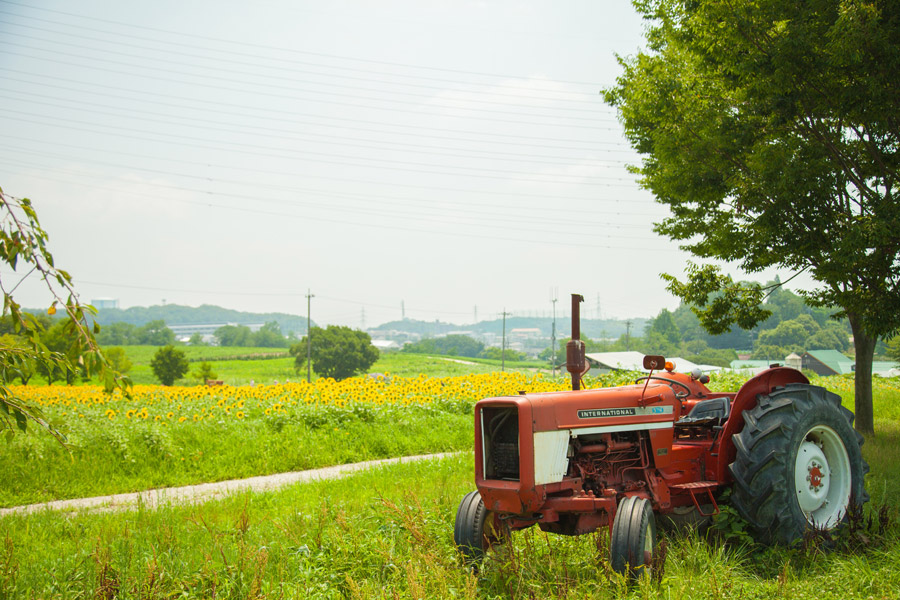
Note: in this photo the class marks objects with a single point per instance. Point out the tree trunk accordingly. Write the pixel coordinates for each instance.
(864, 345)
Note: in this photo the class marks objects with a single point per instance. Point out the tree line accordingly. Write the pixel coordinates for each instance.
(156, 333)
(461, 345)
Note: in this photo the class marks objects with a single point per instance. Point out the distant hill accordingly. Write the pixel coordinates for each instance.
(176, 314)
(592, 328)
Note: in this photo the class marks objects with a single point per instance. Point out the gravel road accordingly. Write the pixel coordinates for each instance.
(207, 491)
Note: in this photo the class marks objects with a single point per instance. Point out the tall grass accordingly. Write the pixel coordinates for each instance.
(387, 533)
(239, 366)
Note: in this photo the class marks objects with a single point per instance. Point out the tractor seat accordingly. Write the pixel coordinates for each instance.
(714, 411)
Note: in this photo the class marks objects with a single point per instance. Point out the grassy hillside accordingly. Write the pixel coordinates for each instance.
(380, 534)
(387, 533)
(241, 366)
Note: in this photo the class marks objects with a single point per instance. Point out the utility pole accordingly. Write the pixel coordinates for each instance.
(476, 314)
(553, 299)
(598, 308)
(503, 346)
(309, 297)
(403, 309)
(628, 335)
(362, 320)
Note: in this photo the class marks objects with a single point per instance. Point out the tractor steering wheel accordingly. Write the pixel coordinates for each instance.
(671, 382)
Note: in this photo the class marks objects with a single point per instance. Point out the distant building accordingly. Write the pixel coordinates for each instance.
(827, 362)
(832, 362)
(101, 303)
(386, 345)
(186, 331)
(604, 362)
(794, 361)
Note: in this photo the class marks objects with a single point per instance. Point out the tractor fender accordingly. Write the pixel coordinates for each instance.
(746, 399)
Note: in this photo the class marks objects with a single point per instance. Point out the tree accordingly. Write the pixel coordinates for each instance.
(830, 337)
(337, 352)
(494, 353)
(789, 334)
(155, 333)
(893, 348)
(169, 364)
(117, 334)
(117, 359)
(27, 367)
(23, 250)
(454, 345)
(269, 336)
(196, 339)
(204, 372)
(234, 335)
(769, 129)
(664, 325)
(770, 352)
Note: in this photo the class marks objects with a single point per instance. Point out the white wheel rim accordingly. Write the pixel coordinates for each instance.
(822, 477)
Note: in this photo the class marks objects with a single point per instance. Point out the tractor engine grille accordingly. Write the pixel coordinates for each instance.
(500, 436)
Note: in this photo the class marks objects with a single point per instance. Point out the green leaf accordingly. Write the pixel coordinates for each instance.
(21, 421)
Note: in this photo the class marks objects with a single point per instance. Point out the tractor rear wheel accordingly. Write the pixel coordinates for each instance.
(798, 464)
(633, 541)
(477, 528)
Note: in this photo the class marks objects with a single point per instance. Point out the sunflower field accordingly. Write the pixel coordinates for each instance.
(160, 436)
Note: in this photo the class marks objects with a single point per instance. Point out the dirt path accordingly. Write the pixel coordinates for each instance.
(191, 494)
(456, 360)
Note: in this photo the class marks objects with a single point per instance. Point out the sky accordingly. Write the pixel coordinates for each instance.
(437, 159)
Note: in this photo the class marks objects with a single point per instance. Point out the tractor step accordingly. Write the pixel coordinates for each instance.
(699, 487)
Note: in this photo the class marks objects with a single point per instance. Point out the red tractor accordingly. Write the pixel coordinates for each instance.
(572, 462)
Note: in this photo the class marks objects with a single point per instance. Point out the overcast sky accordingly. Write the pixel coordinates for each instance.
(435, 155)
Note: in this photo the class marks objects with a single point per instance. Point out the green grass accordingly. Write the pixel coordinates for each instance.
(411, 365)
(115, 457)
(387, 533)
(380, 534)
(244, 370)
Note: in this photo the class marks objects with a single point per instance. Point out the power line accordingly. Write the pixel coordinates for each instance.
(224, 88)
(416, 129)
(249, 44)
(456, 202)
(294, 71)
(344, 221)
(193, 82)
(281, 133)
(404, 212)
(119, 132)
(320, 138)
(432, 188)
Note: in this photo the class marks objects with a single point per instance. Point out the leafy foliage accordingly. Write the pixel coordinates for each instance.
(454, 345)
(169, 364)
(337, 352)
(893, 348)
(117, 359)
(268, 336)
(769, 129)
(155, 333)
(23, 247)
(205, 372)
(494, 353)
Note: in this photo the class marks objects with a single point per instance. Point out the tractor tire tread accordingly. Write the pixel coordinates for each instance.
(764, 460)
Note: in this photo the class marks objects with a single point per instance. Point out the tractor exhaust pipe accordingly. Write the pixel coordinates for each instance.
(575, 360)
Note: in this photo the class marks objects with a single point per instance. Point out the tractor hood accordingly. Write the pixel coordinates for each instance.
(626, 408)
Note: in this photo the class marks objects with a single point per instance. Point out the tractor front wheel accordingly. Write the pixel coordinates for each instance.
(633, 541)
(477, 528)
(798, 463)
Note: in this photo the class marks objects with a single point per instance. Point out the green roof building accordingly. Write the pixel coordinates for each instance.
(827, 362)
